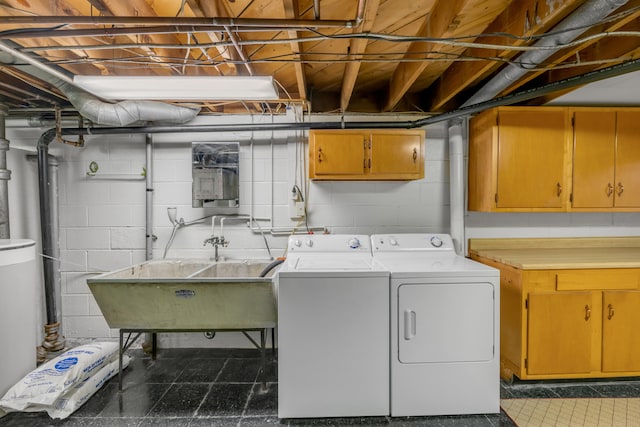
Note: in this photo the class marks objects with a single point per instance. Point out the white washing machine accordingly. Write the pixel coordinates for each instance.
(333, 329)
(444, 327)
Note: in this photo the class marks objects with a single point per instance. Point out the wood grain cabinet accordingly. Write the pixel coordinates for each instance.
(606, 155)
(366, 154)
(567, 323)
(518, 160)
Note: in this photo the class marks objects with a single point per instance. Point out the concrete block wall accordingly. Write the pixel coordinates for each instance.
(102, 218)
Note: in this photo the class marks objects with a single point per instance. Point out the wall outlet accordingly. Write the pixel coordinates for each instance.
(296, 210)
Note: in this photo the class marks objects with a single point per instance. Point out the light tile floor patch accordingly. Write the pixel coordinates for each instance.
(595, 412)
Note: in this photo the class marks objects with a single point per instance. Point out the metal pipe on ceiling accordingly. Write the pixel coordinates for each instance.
(238, 48)
(590, 77)
(31, 33)
(179, 21)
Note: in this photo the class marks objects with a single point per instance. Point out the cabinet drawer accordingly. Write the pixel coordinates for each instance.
(574, 280)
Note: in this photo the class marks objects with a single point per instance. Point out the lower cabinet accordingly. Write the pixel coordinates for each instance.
(560, 329)
(569, 323)
(620, 331)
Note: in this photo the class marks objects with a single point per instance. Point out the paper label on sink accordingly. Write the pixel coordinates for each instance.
(185, 293)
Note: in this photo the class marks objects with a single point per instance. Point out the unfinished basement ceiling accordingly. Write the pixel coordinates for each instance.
(342, 56)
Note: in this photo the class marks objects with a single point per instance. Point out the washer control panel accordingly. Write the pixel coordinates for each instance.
(330, 243)
(411, 242)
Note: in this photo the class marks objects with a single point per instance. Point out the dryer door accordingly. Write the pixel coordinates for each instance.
(445, 322)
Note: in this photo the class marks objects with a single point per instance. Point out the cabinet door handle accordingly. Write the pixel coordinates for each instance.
(620, 189)
(609, 190)
(587, 312)
(415, 155)
(611, 312)
(320, 155)
(558, 189)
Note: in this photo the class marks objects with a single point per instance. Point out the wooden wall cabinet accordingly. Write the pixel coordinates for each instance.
(518, 160)
(567, 323)
(606, 155)
(366, 154)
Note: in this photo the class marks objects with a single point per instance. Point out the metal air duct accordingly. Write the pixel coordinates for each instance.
(590, 13)
(91, 107)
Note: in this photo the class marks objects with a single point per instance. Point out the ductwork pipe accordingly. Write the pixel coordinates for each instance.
(590, 13)
(5, 176)
(149, 197)
(91, 107)
(47, 183)
(49, 260)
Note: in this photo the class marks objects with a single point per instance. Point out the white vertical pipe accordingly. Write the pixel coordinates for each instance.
(55, 234)
(5, 176)
(149, 199)
(456, 184)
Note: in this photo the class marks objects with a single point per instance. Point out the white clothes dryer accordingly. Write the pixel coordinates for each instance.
(333, 329)
(444, 327)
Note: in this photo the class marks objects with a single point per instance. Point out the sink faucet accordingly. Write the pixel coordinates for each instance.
(216, 241)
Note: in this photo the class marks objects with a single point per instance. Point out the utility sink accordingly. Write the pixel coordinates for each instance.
(187, 295)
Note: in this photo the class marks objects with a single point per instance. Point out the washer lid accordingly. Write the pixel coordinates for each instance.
(333, 263)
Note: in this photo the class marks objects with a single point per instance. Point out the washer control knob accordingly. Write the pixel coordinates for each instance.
(309, 243)
(436, 242)
(354, 243)
(297, 242)
(393, 242)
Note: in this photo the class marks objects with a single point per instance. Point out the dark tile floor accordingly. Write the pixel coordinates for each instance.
(220, 387)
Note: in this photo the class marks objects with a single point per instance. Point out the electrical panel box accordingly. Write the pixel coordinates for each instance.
(216, 176)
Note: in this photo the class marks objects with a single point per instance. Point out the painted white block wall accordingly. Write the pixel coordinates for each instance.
(102, 220)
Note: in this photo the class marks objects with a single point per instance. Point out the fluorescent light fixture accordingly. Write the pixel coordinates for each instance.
(186, 88)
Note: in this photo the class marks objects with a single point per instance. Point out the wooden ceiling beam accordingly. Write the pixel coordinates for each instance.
(292, 11)
(356, 48)
(521, 18)
(142, 8)
(437, 24)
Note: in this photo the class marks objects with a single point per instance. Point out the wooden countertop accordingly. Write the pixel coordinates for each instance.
(546, 254)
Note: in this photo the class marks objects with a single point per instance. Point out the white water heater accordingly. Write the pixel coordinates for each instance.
(18, 309)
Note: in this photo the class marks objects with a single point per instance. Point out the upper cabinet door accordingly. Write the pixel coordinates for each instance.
(531, 153)
(397, 155)
(339, 153)
(593, 159)
(366, 154)
(627, 176)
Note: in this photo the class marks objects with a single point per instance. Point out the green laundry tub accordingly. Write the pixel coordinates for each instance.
(184, 295)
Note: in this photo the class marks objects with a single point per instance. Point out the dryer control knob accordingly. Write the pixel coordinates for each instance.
(436, 241)
(354, 243)
(297, 242)
(309, 243)
(393, 242)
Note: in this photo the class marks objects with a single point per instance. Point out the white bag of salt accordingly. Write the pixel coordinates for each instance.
(44, 385)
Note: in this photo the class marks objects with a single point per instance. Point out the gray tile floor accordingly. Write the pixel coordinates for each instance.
(216, 387)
